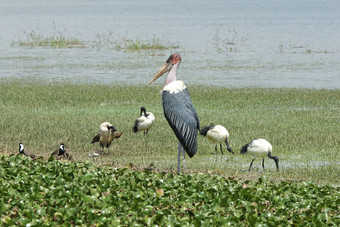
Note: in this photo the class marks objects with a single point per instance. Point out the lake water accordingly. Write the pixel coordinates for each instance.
(266, 43)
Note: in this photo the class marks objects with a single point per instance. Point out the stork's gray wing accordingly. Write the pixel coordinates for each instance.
(187, 100)
(182, 118)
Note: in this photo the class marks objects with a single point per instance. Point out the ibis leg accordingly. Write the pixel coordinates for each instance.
(263, 164)
(221, 149)
(251, 164)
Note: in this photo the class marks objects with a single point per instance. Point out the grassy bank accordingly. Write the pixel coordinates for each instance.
(302, 125)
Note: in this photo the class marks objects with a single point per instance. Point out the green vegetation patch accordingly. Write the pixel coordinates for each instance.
(102, 41)
(56, 193)
(33, 39)
(109, 40)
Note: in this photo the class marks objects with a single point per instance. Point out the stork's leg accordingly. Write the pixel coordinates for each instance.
(179, 157)
(263, 164)
(216, 149)
(183, 158)
(251, 164)
(180, 149)
(221, 149)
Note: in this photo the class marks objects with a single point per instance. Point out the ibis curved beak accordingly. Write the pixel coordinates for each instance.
(166, 67)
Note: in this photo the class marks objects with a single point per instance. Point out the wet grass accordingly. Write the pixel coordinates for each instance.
(109, 40)
(301, 124)
(55, 40)
(106, 40)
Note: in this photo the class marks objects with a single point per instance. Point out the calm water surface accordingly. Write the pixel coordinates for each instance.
(275, 43)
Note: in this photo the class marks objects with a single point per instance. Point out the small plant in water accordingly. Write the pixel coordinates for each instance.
(107, 40)
(227, 44)
(58, 40)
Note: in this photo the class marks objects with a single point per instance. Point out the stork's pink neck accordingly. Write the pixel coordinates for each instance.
(171, 75)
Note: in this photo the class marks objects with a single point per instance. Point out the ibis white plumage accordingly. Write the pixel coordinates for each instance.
(260, 148)
(178, 108)
(144, 122)
(217, 134)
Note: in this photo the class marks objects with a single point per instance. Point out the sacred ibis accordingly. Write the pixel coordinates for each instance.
(217, 134)
(260, 148)
(178, 108)
(144, 122)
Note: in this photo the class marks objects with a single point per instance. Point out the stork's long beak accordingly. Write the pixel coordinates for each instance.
(166, 67)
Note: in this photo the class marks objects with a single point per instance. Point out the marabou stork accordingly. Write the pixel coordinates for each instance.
(260, 148)
(107, 133)
(25, 152)
(144, 122)
(217, 134)
(178, 109)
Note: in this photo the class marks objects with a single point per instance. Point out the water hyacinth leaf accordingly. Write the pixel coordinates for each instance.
(83, 194)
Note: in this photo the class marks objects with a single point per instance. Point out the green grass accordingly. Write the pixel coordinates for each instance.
(102, 41)
(40, 193)
(56, 40)
(109, 40)
(303, 125)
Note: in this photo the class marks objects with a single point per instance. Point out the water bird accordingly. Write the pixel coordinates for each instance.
(260, 148)
(217, 134)
(61, 153)
(144, 122)
(25, 152)
(107, 133)
(178, 108)
(60, 150)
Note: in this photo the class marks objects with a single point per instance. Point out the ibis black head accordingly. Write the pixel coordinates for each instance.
(142, 110)
(228, 147)
(275, 158)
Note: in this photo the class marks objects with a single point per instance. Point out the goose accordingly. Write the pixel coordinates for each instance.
(217, 134)
(144, 122)
(107, 133)
(260, 148)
